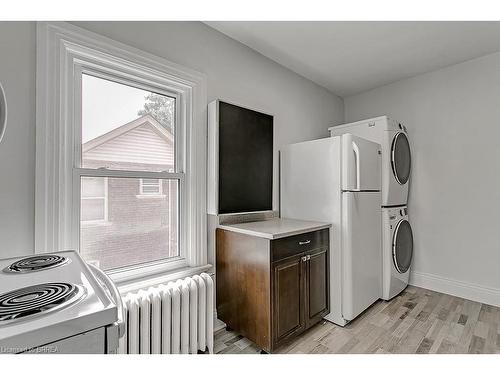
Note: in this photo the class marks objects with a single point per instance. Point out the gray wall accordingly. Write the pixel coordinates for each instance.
(235, 73)
(454, 125)
(17, 149)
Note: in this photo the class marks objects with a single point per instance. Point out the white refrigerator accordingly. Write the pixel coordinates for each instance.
(338, 180)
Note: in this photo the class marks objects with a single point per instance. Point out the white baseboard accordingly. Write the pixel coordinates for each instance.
(474, 292)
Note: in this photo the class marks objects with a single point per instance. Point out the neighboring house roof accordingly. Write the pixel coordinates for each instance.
(143, 140)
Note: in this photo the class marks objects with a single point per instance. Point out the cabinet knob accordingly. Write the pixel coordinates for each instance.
(304, 258)
(304, 242)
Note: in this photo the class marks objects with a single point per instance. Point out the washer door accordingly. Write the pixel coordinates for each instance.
(401, 158)
(402, 246)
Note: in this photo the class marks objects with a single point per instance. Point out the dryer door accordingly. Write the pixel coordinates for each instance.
(401, 158)
(402, 246)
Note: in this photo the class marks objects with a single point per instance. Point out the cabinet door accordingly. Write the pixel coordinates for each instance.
(317, 288)
(288, 297)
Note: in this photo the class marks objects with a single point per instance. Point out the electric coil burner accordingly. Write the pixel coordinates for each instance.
(36, 299)
(36, 263)
(56, 303)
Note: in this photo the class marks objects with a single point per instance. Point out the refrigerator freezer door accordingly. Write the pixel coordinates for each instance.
(310, 180)
(360, 164)
(361, 251)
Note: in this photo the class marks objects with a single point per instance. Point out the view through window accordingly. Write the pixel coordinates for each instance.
(126, 220)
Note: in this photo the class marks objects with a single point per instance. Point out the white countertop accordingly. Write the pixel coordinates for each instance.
(275, 228)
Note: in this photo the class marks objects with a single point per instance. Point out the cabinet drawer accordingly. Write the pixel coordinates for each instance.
(288, 246)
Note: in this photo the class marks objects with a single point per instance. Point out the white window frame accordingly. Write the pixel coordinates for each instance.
(104, 220)
(64, 53)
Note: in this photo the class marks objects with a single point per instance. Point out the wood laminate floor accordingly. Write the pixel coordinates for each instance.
(417, 321)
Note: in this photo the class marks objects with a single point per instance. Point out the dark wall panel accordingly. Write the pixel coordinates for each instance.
(245, 160)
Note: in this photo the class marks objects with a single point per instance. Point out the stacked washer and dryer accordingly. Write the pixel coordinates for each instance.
(397, 236)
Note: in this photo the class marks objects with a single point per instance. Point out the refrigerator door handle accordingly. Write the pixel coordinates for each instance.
(355, 148)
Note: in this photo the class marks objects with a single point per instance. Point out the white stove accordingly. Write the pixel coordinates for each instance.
(55, 303)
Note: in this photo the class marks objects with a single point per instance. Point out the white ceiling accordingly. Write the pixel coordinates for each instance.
(352, 57)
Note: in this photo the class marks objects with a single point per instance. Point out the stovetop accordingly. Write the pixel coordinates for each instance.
(48, 297)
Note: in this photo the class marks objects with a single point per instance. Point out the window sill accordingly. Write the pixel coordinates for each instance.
(154, 196)
(90, 224)
(147, 281)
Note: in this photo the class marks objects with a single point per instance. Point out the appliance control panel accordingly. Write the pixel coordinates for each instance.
(397, 213)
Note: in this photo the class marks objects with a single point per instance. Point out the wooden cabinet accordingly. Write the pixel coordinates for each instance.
(272, 290)
(289, 298)
(317, 287)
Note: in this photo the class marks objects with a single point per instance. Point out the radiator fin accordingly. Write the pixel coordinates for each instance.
(170, 319)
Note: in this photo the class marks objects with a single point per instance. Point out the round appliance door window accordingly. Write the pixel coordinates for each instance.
(401, 158)
(402, 246)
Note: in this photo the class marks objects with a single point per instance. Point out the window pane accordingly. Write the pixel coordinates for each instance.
(150, 181)
(93, 209)
(151, 190)
(93, 187)
(126, 128)
(137, 230)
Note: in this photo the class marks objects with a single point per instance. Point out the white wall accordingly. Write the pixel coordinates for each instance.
(235, 73)
(453, 118)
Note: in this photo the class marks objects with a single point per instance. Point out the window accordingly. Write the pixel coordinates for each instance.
(115, 125)
(129, 132)
(94, 197)
(150, 186)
